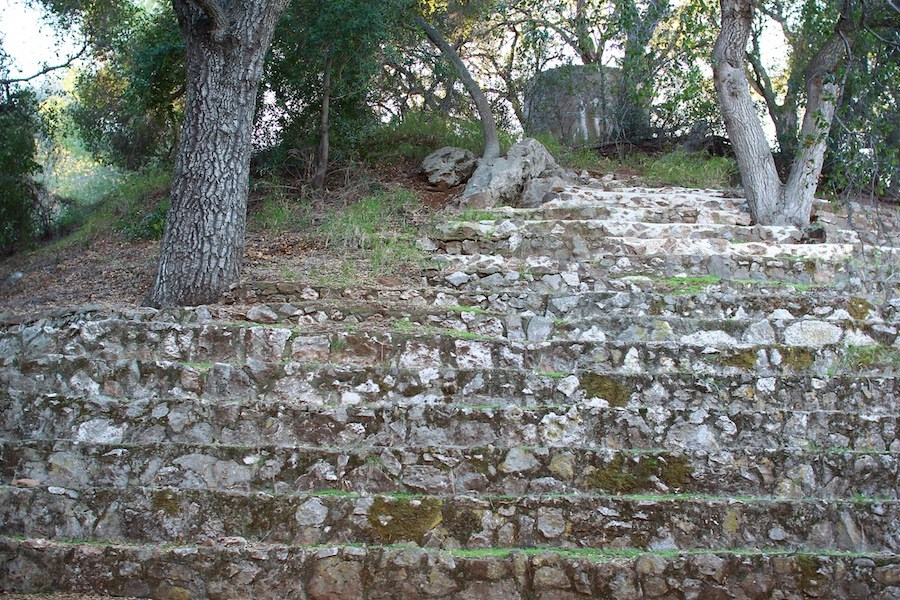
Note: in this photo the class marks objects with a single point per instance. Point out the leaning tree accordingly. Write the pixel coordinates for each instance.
(773, 202)
(203, 242)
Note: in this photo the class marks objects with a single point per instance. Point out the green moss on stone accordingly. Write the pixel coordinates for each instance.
(741, 359)
(808, 572)
(798, 358)
(657, 307)
(627, 477)
(403, 519)
(166, 501)
(606, 387)
(859, 308)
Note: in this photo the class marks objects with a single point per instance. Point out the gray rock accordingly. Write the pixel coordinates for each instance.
(541, 190)
(539, 329)
(262, 314)
(518, 460)
(812, 333)
(759, 333)
(551, 523)
(449, 167)
(503, 179)
(457, 278)
(311, 513)
(336, 579)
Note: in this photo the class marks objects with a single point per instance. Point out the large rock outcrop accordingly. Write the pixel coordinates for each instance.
(449, 167)
(503, 180)
(577, 104)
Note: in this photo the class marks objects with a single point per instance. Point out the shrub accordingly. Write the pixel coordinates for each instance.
(18, 191)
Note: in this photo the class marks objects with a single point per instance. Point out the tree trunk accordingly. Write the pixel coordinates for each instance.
(318, 181)
(488, 124)
(203, 244)
(754, 158)
(772, 203)
(823, 94)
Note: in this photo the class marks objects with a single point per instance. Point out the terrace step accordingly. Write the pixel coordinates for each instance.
(490, 273)
(235, 568)
(539, 236)
(141, 515)
(793, 473)
(412, 339)
(39, 390)
(582, 424)
(620, 394)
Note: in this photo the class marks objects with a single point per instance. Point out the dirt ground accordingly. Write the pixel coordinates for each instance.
(113, 271)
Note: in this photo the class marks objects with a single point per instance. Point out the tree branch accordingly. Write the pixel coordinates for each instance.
(46, 70)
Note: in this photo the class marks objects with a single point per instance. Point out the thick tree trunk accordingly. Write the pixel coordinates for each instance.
(754, 158)
(203, 244)
(488, 123)
(823, 94)
(318, 180)
(772, 203)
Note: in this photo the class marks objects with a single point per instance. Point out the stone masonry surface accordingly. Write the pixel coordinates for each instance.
(621, 393)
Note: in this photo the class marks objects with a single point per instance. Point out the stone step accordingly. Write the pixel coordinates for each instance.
(650, 198)
(785, 473)
(35, 390)
(578, 210)
(233, 568)
(587, 240)
(492, 273)
(581, 424)
(140, 515)
(548, 236)
(814, 346)
(707, 297)
(228, 341)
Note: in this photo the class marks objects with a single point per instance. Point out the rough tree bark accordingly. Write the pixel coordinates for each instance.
(488, 123)
(318, 180)
(772, 202)
(203, 243)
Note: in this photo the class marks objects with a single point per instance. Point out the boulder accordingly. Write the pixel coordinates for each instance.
(449, 167)
(541, 190)
(502, 180)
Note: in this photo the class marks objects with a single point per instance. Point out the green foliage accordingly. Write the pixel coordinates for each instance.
(418, 134)
(690, 170)
(281, 211)
(18, 193)
(864, 147)
(128, 106)
(346, 36)
(136, 207)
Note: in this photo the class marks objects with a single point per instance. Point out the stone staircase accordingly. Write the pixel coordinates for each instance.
(621, 394)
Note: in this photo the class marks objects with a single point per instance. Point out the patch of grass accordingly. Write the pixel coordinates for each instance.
(381, 227)
(580, 159)
(362, 224)
(552, 374)
(280, 211)
(857, 358)
(419, 134)
(690, 170)
(404, 325)
(135, 207)
(687, 286)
